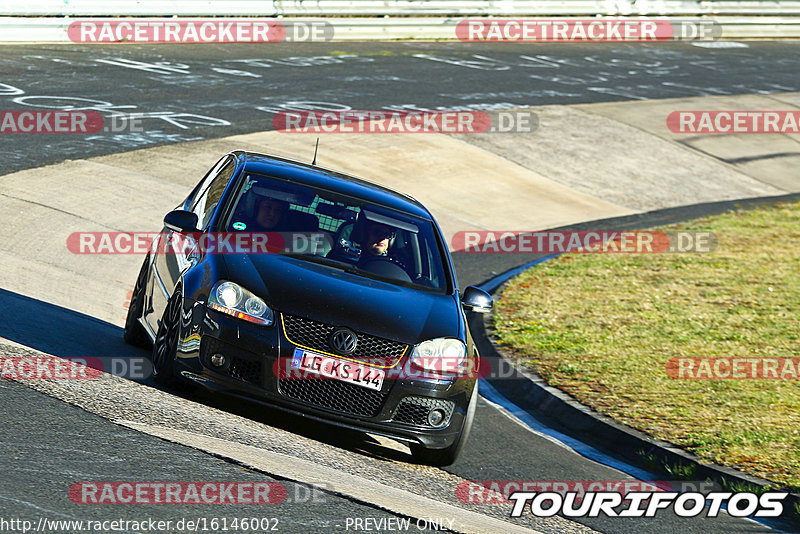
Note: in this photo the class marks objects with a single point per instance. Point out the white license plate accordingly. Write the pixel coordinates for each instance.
(337, 369)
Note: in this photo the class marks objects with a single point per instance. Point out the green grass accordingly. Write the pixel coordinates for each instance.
(602, 327)
(678, 471)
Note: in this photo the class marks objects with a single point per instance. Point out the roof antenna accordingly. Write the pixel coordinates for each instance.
(315, 153)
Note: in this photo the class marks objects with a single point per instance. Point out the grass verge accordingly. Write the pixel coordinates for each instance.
(602, 326)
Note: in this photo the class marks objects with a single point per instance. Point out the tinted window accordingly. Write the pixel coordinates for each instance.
(345, 232)
(203, 185)
(207, 200)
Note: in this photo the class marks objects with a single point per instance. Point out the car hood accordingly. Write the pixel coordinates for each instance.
(332, 296)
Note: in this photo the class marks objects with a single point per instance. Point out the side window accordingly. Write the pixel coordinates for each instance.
(207, 199)
(190, 201)
(431, 270)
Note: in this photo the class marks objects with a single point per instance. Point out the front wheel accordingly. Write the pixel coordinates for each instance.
(448, 455)
(166, 344)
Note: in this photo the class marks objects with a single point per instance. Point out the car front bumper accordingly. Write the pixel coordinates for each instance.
(253, 354)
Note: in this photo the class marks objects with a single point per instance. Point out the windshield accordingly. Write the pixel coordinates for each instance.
(344, 232)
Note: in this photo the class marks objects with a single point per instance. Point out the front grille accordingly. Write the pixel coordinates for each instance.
(249, 371)
(334, 395)
(243, 365)
(314, 335)
(414, 410)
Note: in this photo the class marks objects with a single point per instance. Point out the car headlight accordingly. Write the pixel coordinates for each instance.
(232, 299)
(444, 356)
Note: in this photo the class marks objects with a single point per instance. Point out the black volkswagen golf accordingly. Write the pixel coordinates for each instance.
(316, 292)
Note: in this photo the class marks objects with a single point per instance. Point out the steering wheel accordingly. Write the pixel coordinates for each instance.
(386, 266)
(396, 261)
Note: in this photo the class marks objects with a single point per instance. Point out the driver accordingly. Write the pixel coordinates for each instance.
(378, 239)
(374, 241)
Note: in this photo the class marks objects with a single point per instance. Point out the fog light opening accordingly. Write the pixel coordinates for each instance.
(436, 417)
(218, 360)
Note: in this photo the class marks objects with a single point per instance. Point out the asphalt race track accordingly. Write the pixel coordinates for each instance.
(201, 92)
(55, 437)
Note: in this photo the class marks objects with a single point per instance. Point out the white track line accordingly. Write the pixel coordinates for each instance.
(360, 489)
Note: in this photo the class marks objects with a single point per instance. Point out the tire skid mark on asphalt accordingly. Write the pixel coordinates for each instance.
(39, 508)
(49, 207)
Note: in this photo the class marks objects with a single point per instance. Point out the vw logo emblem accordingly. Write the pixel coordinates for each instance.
(343, 341)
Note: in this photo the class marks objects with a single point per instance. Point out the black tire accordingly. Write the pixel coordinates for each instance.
(166, 344)
(447, 456)
(135, 333)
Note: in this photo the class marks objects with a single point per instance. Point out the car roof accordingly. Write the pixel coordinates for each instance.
(315, 176)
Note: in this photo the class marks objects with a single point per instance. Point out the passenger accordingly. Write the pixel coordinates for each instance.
(269, 214)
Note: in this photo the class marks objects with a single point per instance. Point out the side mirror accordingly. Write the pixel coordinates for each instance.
(476, 300)
(181, 221)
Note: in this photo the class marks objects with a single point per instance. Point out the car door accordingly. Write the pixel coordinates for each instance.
(176, 254)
